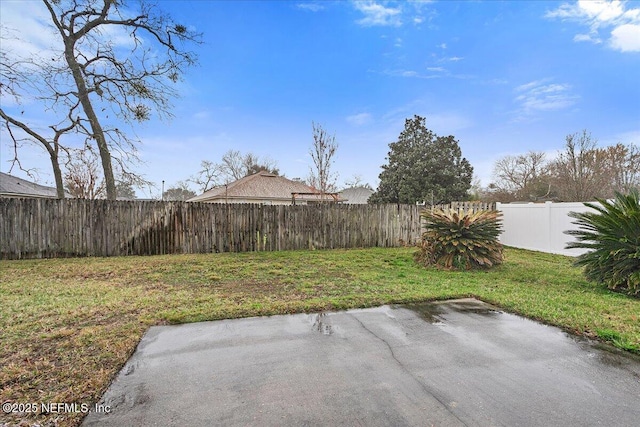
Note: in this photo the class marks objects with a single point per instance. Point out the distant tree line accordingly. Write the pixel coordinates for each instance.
(581, 171)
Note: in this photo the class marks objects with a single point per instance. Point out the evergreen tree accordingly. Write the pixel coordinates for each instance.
(423, 166)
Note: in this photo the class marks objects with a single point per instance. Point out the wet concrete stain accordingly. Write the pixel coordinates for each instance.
(322, 324)
(429, 312)
(435, 312)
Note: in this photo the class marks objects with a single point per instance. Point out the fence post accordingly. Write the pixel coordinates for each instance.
(547, 211)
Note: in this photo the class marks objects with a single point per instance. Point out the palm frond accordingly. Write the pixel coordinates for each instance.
(460, 240)
(612, 236)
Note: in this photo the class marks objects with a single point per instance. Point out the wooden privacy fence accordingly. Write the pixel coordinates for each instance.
(45, 228)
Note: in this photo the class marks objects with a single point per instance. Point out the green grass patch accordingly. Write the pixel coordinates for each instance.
(67, 326)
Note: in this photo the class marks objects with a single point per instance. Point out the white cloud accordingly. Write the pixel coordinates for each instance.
(455, 59)
(392, 13)
(587, 38)
(601, 10)
(419, 3)
(410, 73)
(360, 119)
(311, 7)
(428, 73)
(601, 16)
(27, 31)
(540, 95)
(626, 38)
(418, 9)
(596, 10)
(376, 14)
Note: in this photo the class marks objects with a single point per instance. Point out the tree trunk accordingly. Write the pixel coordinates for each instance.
(51, 147)
(98, 133)
(57, 174)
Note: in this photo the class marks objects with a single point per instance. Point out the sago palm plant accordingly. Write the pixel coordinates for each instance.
(460, 240)
(612, 235)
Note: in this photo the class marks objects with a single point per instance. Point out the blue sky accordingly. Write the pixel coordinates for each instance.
(502, 77)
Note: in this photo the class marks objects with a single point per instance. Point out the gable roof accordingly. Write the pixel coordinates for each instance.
(260, 186)
(12, 186)
(356, 195)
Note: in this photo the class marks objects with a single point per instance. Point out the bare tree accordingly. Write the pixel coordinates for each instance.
(623, 166)
(580, 170)
(322, 151)
(254, 164)
(236, 165)
(50, 142)
(354, 181)
(17, 77)
(233, 166)
(208, 176)
(524, 177)
(93, 86)
(82, 177)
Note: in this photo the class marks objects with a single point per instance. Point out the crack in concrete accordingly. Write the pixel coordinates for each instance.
(424, 387)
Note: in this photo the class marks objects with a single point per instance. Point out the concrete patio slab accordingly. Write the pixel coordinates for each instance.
(453, 363)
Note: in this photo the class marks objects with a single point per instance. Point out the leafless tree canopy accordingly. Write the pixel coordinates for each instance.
(96, 85)
(233, 166)
(322, 151)
(524, 176)
(580, 172)
(83, 178)
(16, 79)
(584, 172)
(356, 181)
(624, 164)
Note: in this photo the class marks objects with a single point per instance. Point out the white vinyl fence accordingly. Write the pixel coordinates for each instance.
(540, 226)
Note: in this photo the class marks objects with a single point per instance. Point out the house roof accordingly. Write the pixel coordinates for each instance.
(356, 195)
(260, 186)
(17, 187)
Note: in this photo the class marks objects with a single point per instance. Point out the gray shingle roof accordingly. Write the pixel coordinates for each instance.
(356, 195)
(13, 186)
(260, 186)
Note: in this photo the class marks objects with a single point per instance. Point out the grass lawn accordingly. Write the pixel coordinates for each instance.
(68, 325)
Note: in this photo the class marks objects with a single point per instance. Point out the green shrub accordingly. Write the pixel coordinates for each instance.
(612, 235)
(456, 240)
